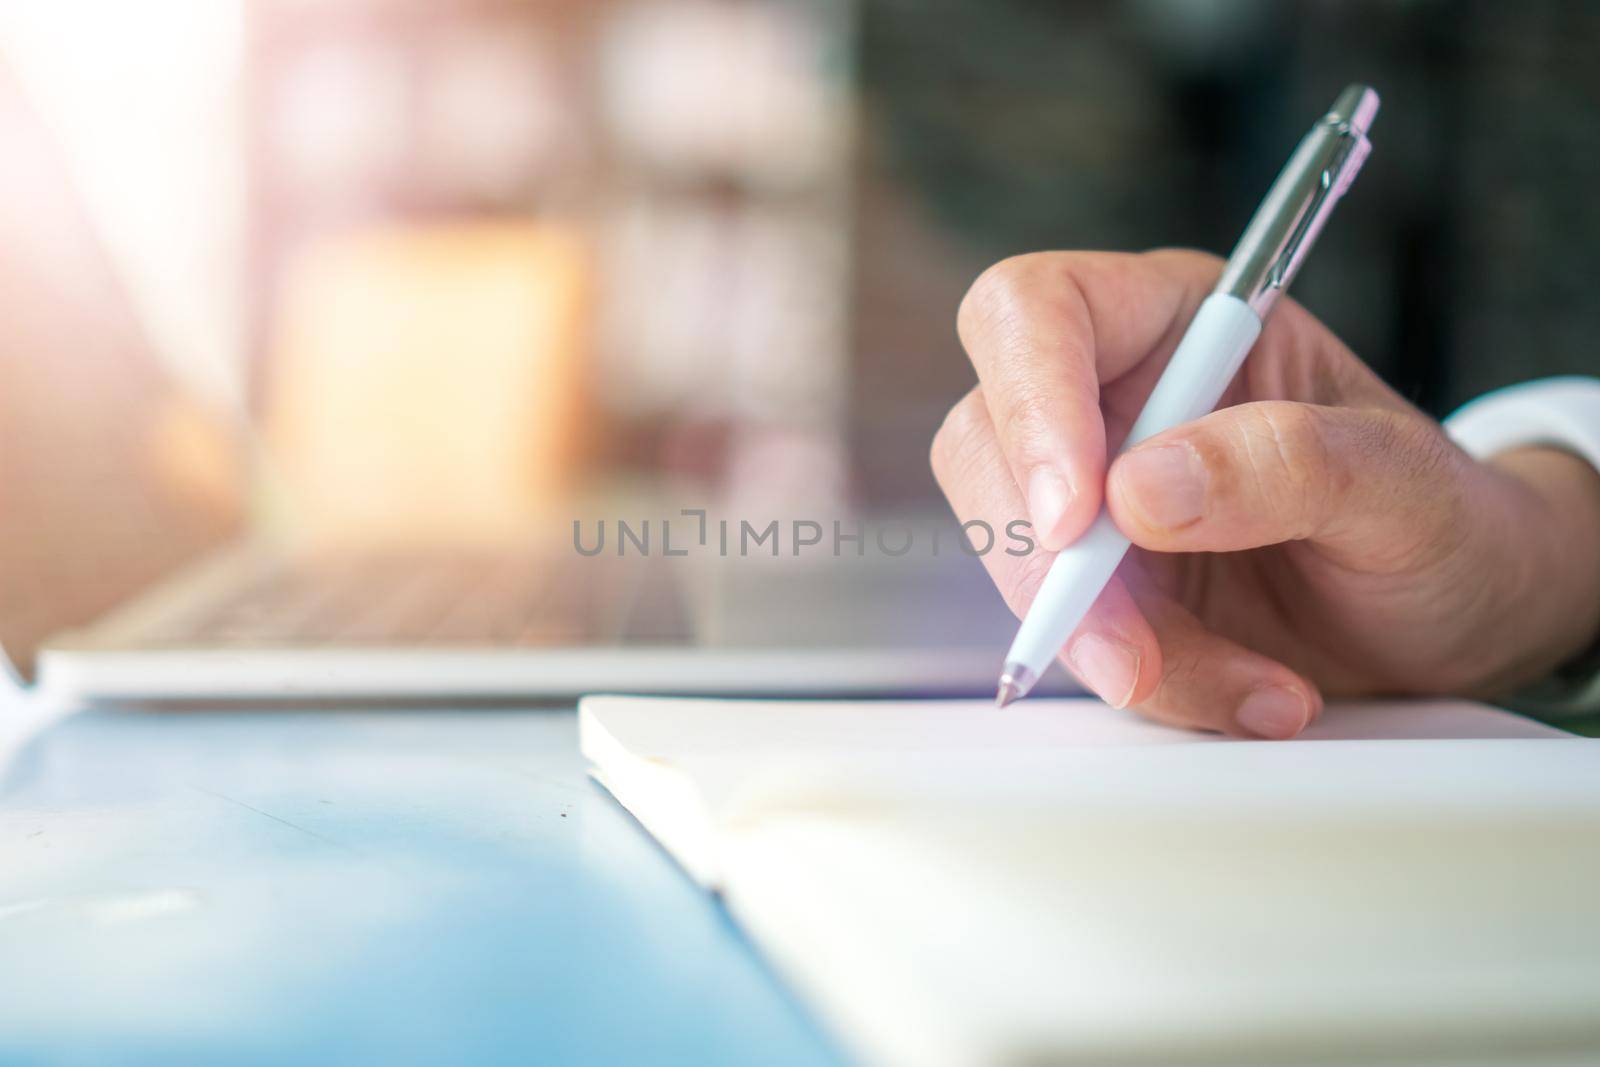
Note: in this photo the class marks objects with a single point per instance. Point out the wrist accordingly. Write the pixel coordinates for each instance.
(1555, 528)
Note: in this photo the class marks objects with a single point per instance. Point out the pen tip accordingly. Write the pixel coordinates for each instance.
(1015, 682)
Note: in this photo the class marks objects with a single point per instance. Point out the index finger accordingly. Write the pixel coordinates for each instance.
(1045, 331)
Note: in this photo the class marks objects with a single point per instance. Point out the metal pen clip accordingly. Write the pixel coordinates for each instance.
(1285, 227)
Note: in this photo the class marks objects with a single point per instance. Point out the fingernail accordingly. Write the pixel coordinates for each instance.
(1107, 666)
(1274, 711)
(1168, 482)
(1048, 497)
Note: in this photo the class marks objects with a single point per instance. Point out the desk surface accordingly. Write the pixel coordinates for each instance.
(356, 887)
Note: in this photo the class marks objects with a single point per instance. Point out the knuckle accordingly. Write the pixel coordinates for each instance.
(1180, 675)
(1407, 435)
(1427, 498)
(1021, 586)
(1188, 262)
(993, 296)
(1029, 414)
(1175, 699)
(1405, 443)
(1286, 455)
(953, 441)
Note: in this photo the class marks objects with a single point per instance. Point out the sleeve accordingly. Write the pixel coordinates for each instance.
(1558, 413)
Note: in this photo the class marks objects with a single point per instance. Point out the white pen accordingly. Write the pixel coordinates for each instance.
(1273, 247)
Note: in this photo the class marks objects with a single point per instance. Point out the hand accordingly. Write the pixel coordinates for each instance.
(1314, 536)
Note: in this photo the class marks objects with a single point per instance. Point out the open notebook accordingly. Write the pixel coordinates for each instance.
(1065, 883)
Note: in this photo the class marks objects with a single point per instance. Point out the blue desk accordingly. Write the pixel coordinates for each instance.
(356, 888)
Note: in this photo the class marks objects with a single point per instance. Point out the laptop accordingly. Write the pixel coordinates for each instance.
(132, 568)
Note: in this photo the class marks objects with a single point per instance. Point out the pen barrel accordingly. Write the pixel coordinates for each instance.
(1201, 367)
(1070, 588)
(1205, 361)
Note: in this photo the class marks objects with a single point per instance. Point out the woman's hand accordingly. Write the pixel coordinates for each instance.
(1315, 535)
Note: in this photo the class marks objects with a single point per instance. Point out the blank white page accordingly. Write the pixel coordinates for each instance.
(663, 726)
(949, 884)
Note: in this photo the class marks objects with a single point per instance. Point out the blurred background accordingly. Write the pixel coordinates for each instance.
(445, 266)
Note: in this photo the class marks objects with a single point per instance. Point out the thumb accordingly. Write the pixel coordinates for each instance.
(1375, 489)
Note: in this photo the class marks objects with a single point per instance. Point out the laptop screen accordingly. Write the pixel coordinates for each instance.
(108, 475)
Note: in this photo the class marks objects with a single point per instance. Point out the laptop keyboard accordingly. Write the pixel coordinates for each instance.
(422, 599)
